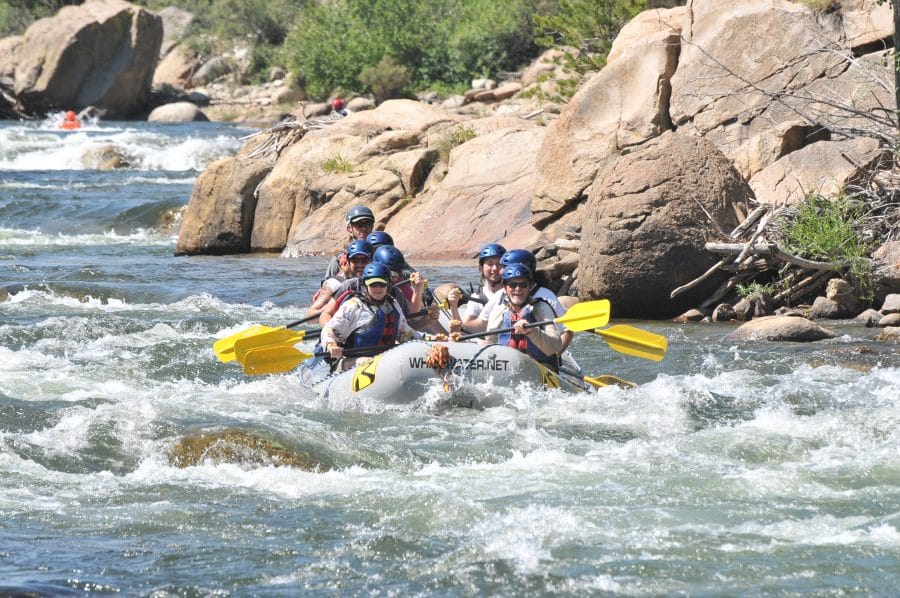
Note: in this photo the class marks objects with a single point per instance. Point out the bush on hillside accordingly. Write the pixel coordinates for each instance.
(446, 41)
(17, 15)
(385, 80)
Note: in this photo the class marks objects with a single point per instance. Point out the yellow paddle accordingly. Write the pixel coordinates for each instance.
(634, 341)
(224, 347)
(277, 337)
(599, 381)
(608, 380)
(279, 358)
(581, 316)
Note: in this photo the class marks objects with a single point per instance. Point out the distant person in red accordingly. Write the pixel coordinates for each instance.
(337, 104)
(71, 121)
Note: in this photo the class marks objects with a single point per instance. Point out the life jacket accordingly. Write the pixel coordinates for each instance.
(407, 291)
(353, 290)
(382, 330)
(482, 295)
(520, 341)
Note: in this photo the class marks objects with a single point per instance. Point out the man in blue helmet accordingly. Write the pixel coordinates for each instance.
(358, 255)
(490, 269)
(360, 221)
(391, 257)
(517, 308)
(372, 317)
(526, 258)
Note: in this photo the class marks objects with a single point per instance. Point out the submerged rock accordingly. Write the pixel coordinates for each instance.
(780, 328)
(241, 447)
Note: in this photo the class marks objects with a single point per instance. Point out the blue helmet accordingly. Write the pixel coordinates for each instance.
(516, 271)
(377, 272)
(490, 250)
(359, 213)
(519, 256)
(378, 238)
(390, 256)
(359, 247)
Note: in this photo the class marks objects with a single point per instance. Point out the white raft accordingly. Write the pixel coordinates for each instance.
(400, 375)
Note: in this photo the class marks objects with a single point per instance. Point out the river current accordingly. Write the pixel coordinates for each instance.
(735, 470)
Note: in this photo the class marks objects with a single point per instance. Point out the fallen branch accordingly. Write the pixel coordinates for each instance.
(774, 250)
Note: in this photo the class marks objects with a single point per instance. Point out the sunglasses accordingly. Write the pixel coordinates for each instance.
(376, 285)
(363, 224)
(517, 285)
(360, 260)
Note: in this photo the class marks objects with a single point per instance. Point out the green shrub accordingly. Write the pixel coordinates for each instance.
(385, 80)
(263, 21)
(453, 138)
(436, 41)
(262, 58)
(822, 6)
(825, 229)
(337, 163)
(755, 288)
(831, 230)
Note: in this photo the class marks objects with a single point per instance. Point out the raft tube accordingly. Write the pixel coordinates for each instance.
(401, 375)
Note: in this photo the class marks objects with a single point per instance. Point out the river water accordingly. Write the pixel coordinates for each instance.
(730, 470)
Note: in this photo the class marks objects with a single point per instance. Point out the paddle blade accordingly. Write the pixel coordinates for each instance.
(634, 341)
(273, 336)
(273, 360)
(608, 380)
(224, 347)
(587, 315)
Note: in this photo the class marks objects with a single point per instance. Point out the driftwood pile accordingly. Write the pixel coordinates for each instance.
(753, 250)
(286, 133)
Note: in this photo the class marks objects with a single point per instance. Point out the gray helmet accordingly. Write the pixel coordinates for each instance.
(359, 213)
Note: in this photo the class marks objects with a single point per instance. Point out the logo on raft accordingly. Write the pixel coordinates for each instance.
(458, 365)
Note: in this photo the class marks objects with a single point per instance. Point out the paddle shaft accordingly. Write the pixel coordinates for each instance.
(302, 321)
(466, 337)
(581, 316)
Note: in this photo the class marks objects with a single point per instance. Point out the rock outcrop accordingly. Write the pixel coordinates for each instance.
(101, 53)
(625, 104)
(219, 216)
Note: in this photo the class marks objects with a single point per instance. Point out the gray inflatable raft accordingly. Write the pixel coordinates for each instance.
(401, 375)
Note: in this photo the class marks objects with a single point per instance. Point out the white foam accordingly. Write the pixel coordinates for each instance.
(29, 148)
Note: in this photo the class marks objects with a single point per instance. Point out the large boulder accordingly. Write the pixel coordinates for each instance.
(219, 215)
(645, 225)
(176, 68)
(623, 105)
(177, 112)
(102, 53)
(485, 197)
